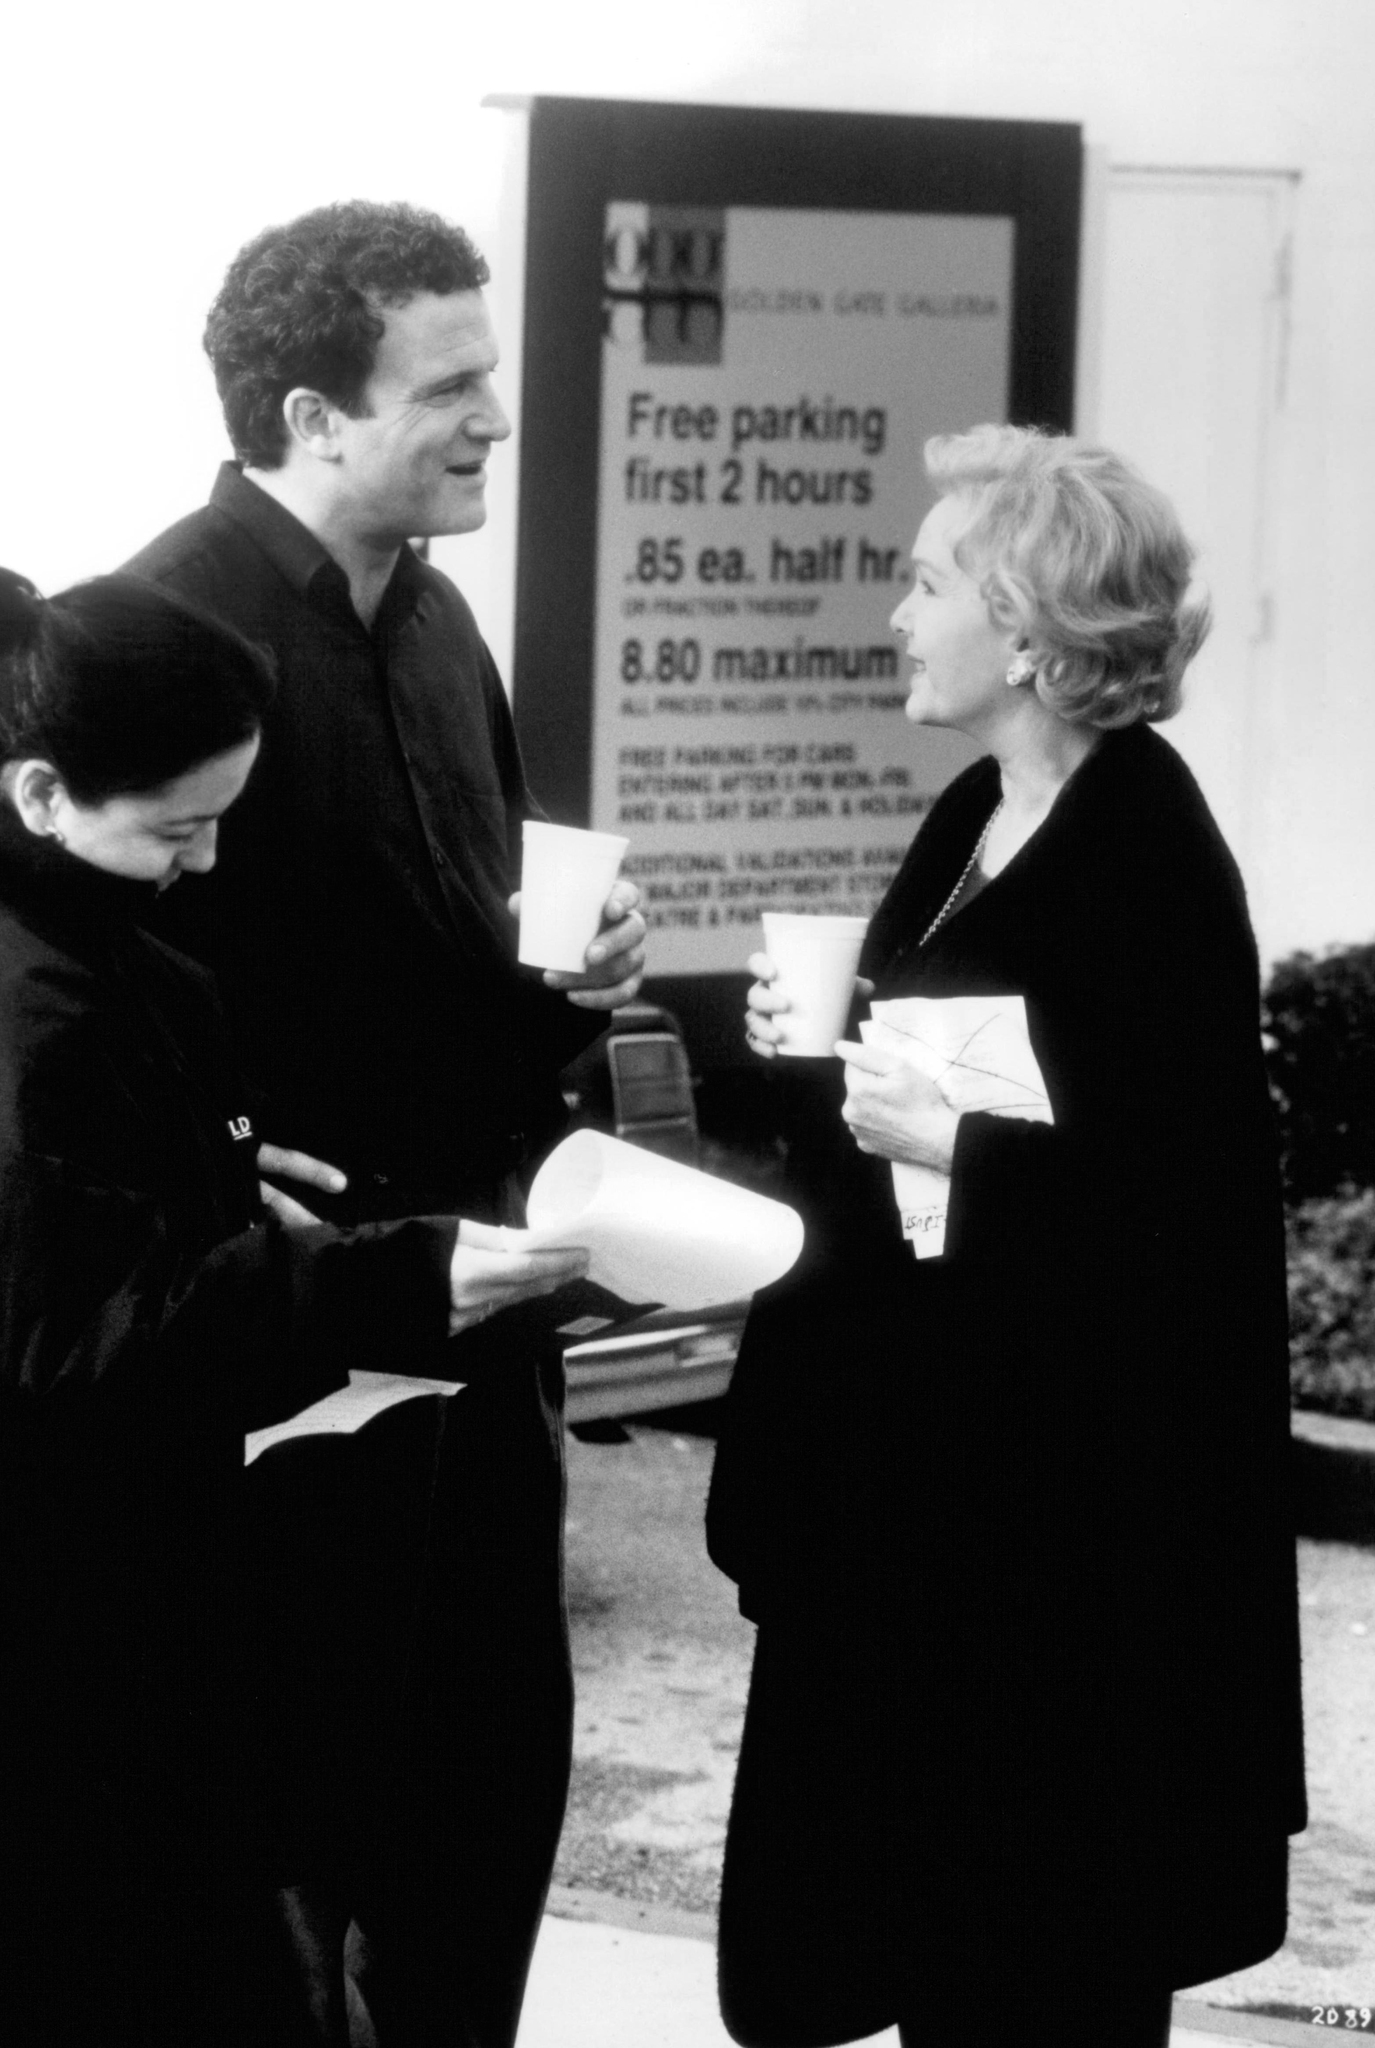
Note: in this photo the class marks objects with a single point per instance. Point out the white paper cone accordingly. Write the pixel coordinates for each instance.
(658, 1231)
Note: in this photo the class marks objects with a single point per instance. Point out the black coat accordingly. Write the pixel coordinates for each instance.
(149, 1316)
(1015, 1521)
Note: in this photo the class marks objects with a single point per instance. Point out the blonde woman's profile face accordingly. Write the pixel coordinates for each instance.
(959, 656)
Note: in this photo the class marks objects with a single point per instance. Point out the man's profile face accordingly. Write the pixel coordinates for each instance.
(417, 464)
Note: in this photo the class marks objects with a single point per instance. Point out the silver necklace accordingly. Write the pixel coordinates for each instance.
(953, 898)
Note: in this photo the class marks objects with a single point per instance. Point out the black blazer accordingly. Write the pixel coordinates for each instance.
(1050, 1468)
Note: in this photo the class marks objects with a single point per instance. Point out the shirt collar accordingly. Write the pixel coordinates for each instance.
(293, 549)
(289, 546)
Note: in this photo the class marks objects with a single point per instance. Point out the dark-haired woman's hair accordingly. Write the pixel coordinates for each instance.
(120, 686)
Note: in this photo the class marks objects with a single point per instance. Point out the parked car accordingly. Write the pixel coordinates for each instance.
(666, 1361)
(637, 1084)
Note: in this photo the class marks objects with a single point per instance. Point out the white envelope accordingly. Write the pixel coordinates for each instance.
(978, 1052)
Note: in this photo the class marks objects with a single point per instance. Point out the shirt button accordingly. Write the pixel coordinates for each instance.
(441, 859)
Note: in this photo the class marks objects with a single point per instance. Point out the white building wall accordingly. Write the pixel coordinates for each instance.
(141, 145)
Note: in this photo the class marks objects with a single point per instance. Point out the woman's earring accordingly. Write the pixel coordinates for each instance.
(1022, 669)
(53, 833)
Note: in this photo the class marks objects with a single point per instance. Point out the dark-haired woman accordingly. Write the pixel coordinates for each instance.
(150, 1314)
(1023, 1741)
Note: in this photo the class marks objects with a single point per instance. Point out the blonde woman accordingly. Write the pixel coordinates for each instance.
(1023, 1742)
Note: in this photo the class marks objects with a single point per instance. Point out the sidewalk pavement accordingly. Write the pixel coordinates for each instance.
(600, 1986)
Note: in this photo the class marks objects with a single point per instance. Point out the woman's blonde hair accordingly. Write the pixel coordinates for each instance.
(1072, 547)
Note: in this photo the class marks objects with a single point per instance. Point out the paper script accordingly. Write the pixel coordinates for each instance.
(978, 1052)
(341, 1413)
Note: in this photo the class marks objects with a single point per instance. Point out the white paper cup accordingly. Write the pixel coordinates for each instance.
(565, 879)
(816, 958)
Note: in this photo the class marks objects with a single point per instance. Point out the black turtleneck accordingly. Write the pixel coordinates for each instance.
(41, 878)
(119, 1088)
(112, 1055)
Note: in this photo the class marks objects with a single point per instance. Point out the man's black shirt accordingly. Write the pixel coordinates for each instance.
(357, 914)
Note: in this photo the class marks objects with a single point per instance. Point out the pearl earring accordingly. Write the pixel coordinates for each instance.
(1022, 669)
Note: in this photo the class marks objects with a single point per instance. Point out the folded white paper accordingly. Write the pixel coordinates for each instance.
(341, 1413)
(656, 1230)
(978, 1052)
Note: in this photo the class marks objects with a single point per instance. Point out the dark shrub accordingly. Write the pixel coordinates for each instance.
(1319, 1018)
(1332, 1304)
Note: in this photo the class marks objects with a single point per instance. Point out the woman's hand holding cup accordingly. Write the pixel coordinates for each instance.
(765, 1001)
(762, 1005)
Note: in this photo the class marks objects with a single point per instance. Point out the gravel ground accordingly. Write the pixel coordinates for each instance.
(661, 1665)
(1328, 1961)
(662, 1661)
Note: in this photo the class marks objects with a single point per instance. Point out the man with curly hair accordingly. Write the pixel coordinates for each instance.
(359, 923)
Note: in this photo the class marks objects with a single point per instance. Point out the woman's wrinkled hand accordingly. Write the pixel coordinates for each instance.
(494, 1268)
(764, 1002)
(893, 1111)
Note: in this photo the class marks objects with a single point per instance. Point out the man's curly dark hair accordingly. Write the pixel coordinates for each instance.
(299, 305)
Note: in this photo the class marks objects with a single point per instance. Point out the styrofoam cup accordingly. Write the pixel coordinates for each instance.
(565, 878)
(816, 958)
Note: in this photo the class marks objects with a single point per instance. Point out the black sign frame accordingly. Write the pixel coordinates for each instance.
(586, 153)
